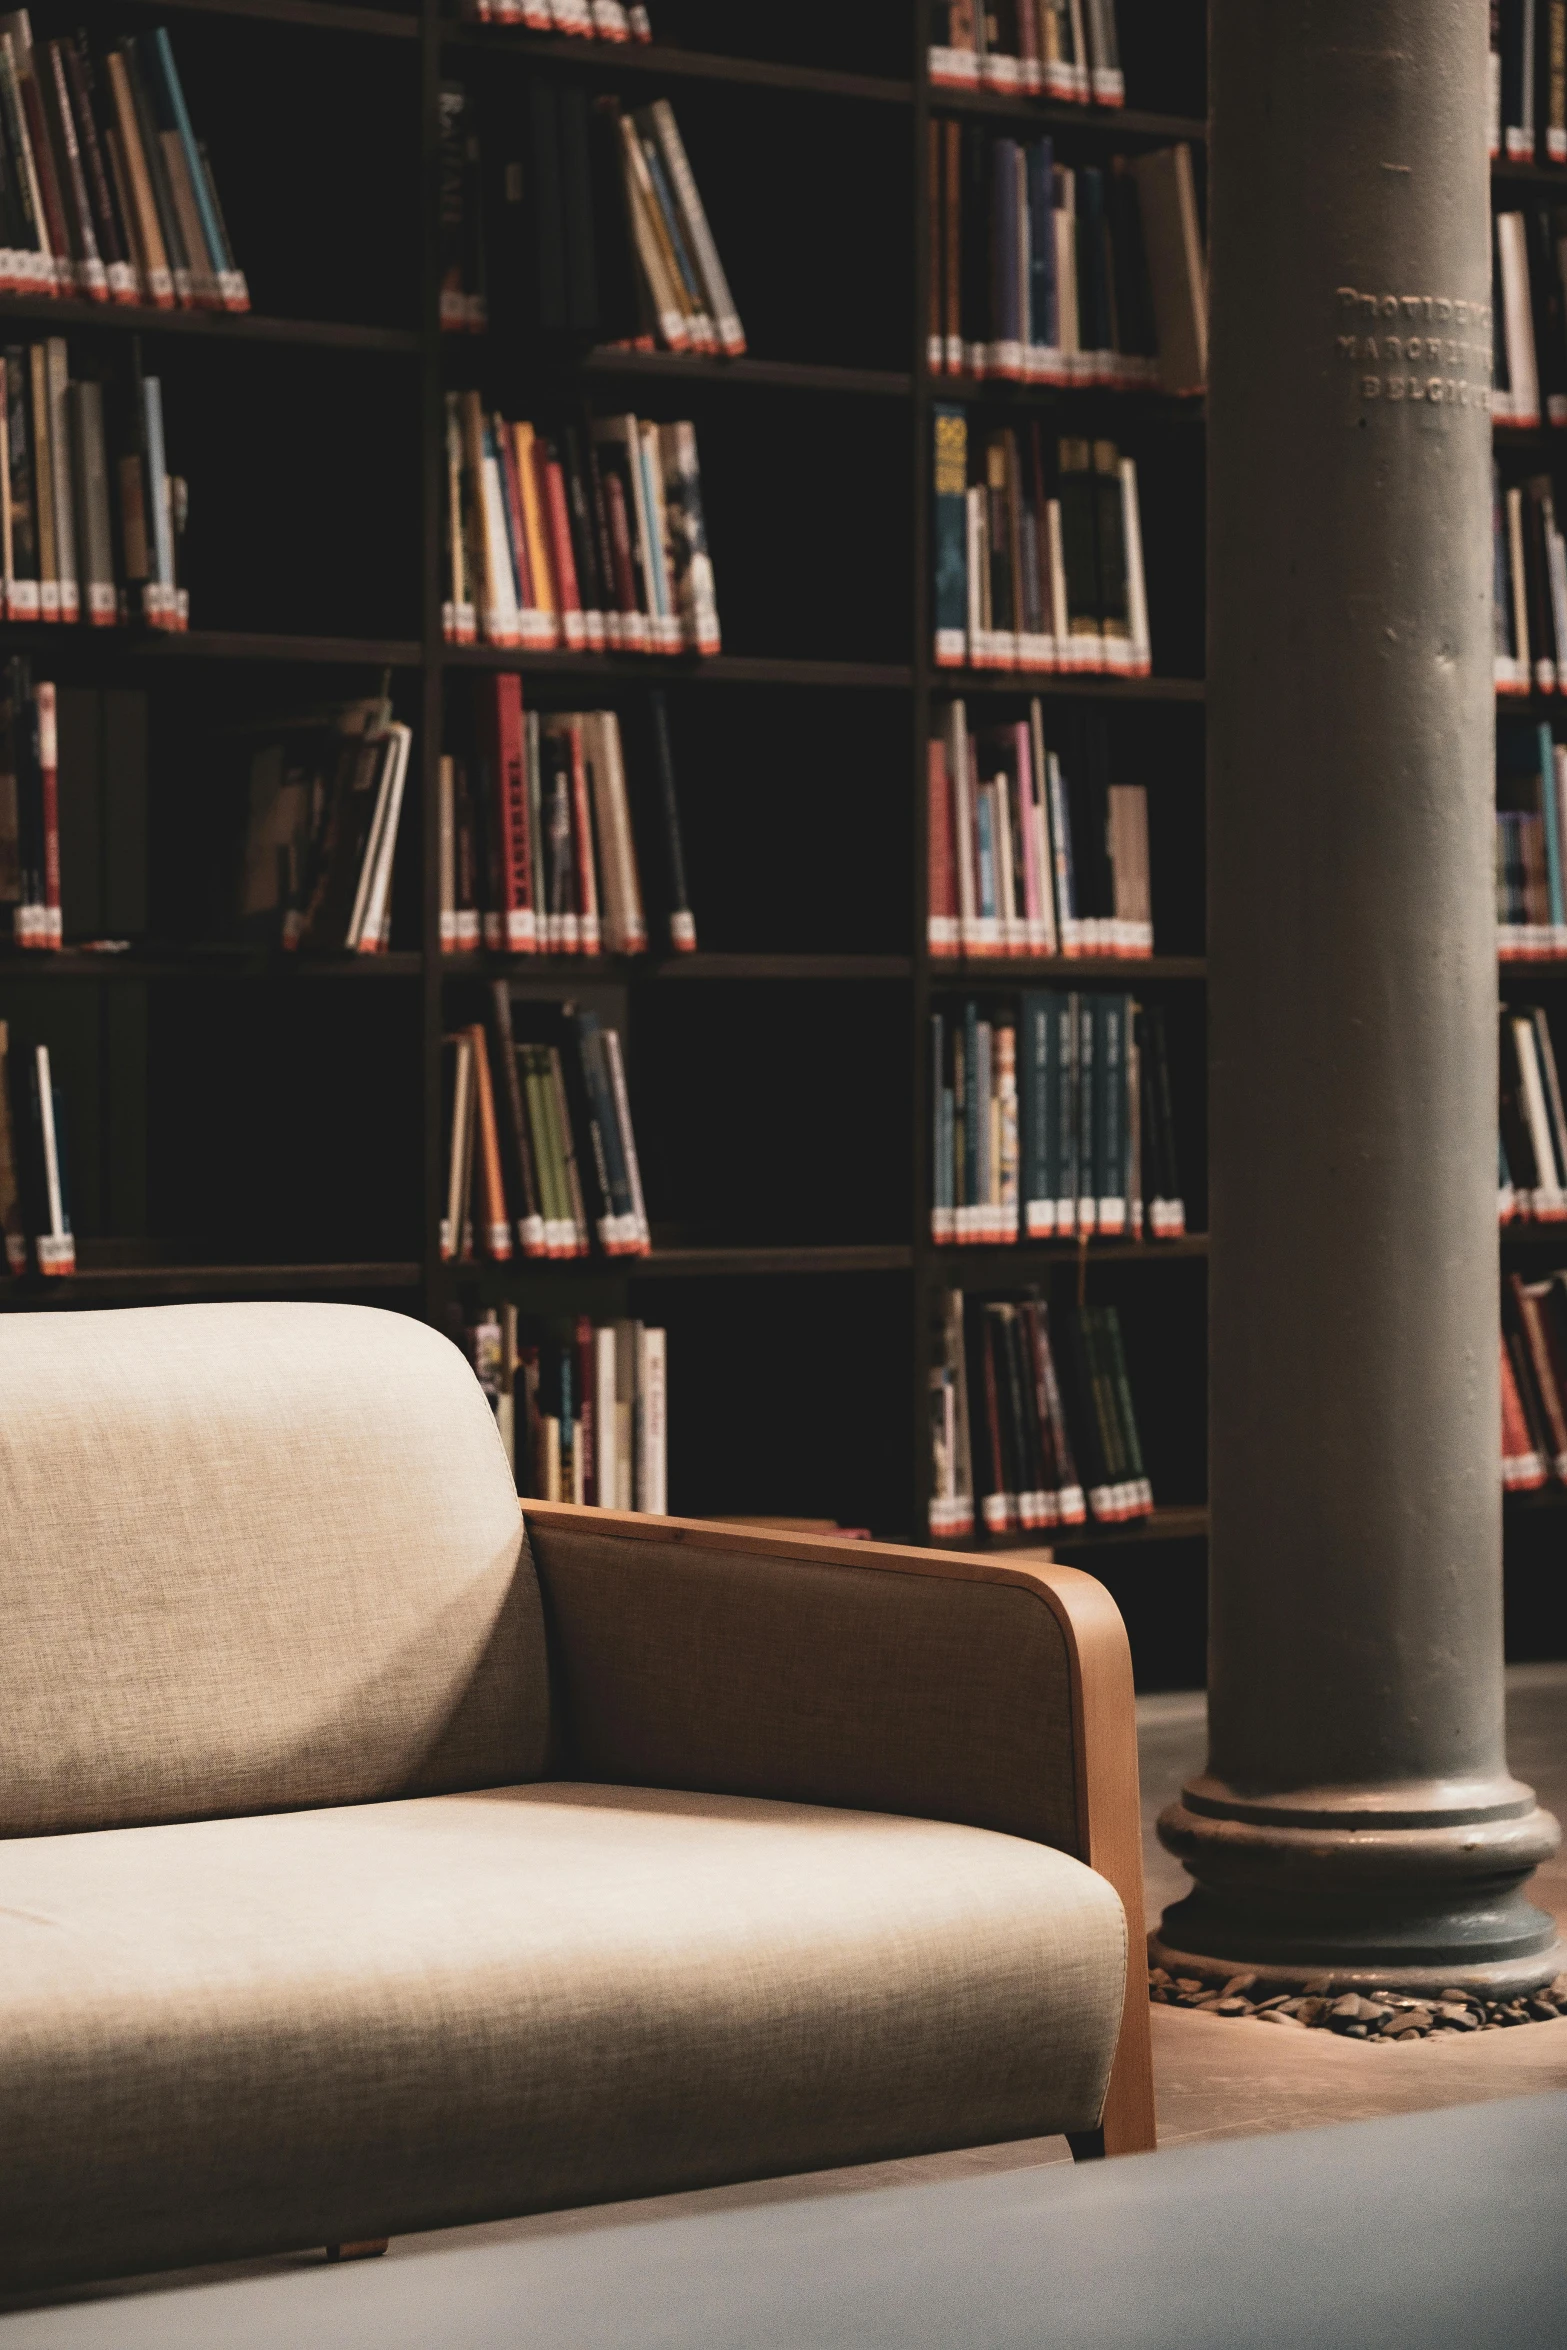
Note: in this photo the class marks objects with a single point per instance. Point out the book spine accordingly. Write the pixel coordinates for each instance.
(720, 302)
(49, 777)
(950, 536)
(56, 1248)
(92, 280)
(159, 280)
(495, 1228)
(518, 893)
(682, 923)
(56, 375)
(531, 1238)
(615, 1064)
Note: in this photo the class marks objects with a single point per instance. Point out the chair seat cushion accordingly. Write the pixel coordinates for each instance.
(230, 2036)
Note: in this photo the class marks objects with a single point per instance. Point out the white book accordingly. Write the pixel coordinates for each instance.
(1548, 1196)
(357, 922)
(605, 1430)
(375, 927)
(652, 1464)
(1518, 319)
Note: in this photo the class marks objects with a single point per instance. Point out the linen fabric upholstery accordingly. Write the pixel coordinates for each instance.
(227, 2037)
(687, 1667)
(253, 1557)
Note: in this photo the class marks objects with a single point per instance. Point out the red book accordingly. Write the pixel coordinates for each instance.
(552, 498)
(941, 917)
(1523, 1470)
(506, 752)
(589, 924)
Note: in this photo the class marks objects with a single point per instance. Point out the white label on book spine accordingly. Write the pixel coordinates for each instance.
(1520, 144)
(521, 930)
(1556, 146)
(954, 69)
(102, 603)
(121, 280)
(949, 648)
(56, 1253)
(1001, 72)
(941, 934)
(609, 21)
(21, 599)
(682, 932)
(49, 599)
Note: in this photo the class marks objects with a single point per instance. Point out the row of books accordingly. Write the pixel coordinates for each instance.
(1532, 1138)
(539, 834)
(1053, 1119)
(1529, 599)
(541, 1141)
(1528, 319)
(1040, 273)
(571, 216)
(581, 1406)
(77, 541)
(593, 539)
(1063, 49)
(1041, 1438)
(601, 20)
(35, 1212)
(326, 805)
(1024, 860)
(106, 193)
(1033, 573)
(1531, 835)
(1528, 68)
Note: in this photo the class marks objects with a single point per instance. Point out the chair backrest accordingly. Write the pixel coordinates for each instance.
(254, 1558)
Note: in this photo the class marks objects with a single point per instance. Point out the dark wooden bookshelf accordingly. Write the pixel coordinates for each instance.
(282, 1114)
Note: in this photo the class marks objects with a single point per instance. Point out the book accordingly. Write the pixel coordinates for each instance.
(1042, 1393)
(1045, 273)
(1034, 572)
(1003, 878)
(1062, 49)
(326, 795)
(581, 1406)
(35, 1189)
(29, 810)
(544, 1087)
(1052, 1118)
(575, 539)
(1532, 1145)
(546, 829)
(106, 192)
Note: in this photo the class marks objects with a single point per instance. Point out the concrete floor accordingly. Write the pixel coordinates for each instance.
(1215, 2077)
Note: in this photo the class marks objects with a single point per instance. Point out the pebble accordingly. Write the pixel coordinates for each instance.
(1350, 2014)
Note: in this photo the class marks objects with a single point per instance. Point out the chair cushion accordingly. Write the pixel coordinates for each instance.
(227, 2037)
(254, 1556)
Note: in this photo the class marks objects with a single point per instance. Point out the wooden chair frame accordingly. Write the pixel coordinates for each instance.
(1104, 1737)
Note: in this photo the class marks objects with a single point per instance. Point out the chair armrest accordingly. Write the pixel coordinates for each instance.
(945, 1685)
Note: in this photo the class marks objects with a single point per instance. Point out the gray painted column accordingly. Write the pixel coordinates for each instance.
(1357, 1815)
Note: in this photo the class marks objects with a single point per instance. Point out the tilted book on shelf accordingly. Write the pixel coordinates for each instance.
(325, 811)
(581, 1406)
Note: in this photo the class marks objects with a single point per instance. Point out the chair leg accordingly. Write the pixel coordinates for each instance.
(365, 2248)
(1087, 2145)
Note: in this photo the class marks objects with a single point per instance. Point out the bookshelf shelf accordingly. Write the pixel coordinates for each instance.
(779, 375)
(207, 963)
(995, 1268)
(1180, 1522)
(320, 16)
(1130, 124)
(108, 647)
(636, 669)
(657, 61)
(566, 970)
(1069, 685)
(168, 1284)
(696, 1264)
(1139, 407)
(1064, 970)
(207, 326)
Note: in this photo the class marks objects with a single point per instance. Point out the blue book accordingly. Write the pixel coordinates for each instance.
(1044, 327)
(949, 481)
(1553, 839)
(987, 857)
(1007, 326)
(971, 1209)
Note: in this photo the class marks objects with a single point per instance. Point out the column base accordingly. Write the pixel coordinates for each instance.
(1413, 1888)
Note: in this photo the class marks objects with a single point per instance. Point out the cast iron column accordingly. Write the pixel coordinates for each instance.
(1357, 1815)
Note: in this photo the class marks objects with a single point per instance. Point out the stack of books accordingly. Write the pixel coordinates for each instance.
(587, 540)
(106, 194)
(1042, 1439)
(576, 219)
(541, 1155)
(581, 1406)
(1040, 273)
(1024, 861)
(326, 804)
(1063, 49)
(538, 833)
(1053, 1119)
(603, 20)
(1038, 555)
(1532, 1147)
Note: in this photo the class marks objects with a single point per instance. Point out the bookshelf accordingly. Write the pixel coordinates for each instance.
(248, 1124)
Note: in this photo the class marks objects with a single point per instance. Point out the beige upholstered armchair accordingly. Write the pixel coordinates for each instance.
(374, 1860)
